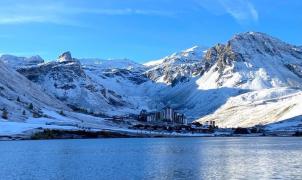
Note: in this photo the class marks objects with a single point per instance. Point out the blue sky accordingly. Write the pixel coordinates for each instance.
(138, 29)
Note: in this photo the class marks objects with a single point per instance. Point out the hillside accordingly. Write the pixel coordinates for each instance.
(17, 93)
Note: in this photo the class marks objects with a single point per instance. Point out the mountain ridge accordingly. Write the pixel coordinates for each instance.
(202, 83)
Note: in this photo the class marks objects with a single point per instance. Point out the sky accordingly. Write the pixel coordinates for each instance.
(139, 30)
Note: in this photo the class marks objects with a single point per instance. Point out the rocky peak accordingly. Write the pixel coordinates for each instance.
(250, 45)
(66, 56)
(254, 36)
(36, 59)
(222, 55)
(258, 43)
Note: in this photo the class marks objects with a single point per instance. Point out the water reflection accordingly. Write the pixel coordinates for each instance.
(179, 158)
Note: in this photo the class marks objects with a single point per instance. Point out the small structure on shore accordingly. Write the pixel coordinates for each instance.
(209, 124)
(207, 127)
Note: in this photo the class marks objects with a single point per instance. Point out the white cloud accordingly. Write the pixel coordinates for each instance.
(26, 13)
(21, 19)
(242, 11)
(60, 13)
(124, 11)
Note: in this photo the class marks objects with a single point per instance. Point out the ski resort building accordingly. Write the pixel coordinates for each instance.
(168, 115)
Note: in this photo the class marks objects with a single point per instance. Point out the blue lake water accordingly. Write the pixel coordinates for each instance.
(153, 158)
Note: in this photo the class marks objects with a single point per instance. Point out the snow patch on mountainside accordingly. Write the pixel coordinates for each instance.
(258, 107)
(129, 85)
(154, 63)
(189, 55)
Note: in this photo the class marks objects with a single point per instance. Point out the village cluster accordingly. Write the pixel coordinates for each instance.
(170, 120)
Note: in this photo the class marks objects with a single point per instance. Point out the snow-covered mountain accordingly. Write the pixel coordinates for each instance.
(110, 63)
(253, 61)
(253, 78)
(66, 80)
(177, 67)
(17, 93)
(266, 67)
(193, 54)
(15, 61)
(125, 78)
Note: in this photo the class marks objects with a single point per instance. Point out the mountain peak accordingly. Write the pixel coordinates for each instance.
(36, 58)
(251, 34)
(193, 53)
(66, 56)
(16, 61)
(255, 36)
(111, 63)
(190, 55)
(257, 42)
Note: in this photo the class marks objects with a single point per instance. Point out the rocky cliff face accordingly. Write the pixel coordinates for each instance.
(65, 57)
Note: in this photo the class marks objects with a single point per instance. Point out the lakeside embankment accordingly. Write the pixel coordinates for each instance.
(46, 134)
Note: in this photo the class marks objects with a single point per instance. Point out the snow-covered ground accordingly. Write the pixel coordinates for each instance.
(54, 120)
(73, 122)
